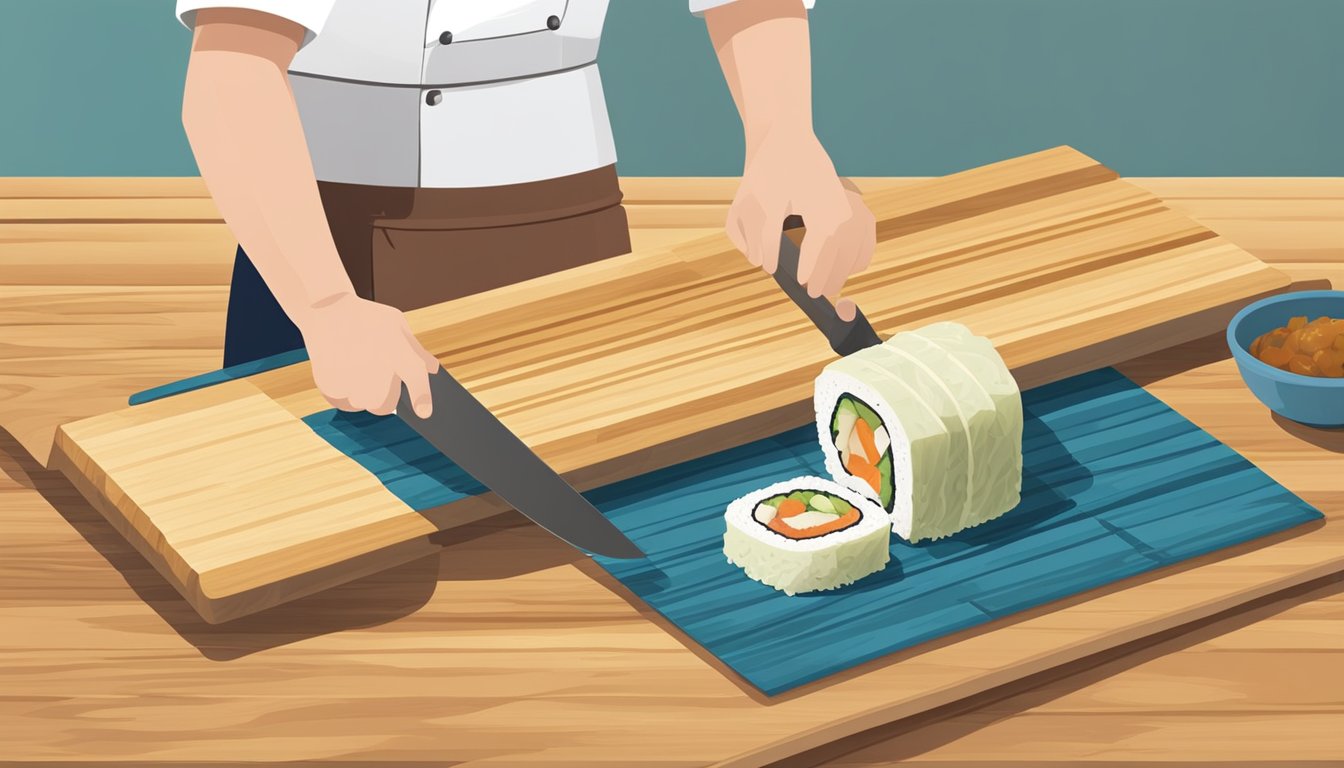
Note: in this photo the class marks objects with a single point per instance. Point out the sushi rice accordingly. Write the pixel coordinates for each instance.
(833, 546)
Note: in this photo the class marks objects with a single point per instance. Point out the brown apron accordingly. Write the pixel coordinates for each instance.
(411, 247)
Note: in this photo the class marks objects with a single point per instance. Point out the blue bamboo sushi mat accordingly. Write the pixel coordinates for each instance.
(1115, 483)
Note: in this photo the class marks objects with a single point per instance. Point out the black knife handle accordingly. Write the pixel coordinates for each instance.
(844, 336)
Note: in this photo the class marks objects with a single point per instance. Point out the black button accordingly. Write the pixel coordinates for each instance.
(445, 38)
(553, 22)
(433, 98)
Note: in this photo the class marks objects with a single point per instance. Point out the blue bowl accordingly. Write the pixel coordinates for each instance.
(1311, 400)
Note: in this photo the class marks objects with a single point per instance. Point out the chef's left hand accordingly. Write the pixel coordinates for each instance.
(788, 174)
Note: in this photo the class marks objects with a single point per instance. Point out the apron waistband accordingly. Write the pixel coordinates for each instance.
(473, 207)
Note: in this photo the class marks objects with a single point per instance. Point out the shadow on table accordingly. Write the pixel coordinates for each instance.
(501, 546)
(1171, 361)
(366, 602)
(1329, 439)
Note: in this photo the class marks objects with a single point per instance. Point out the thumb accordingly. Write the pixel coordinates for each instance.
(846, 309)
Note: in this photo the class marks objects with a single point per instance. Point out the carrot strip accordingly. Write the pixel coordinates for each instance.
(839, 524)
(787, 508)
(863, 469)
(866, 439)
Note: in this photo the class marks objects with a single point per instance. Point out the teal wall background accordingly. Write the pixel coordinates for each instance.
(903, 87)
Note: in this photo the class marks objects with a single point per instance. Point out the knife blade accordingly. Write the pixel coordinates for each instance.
(465, 431)
(845, 336)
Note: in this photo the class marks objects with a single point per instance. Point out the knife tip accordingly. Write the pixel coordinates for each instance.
(621, 553)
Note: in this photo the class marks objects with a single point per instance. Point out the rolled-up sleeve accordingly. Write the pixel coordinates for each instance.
(698, 7)
(310, 14)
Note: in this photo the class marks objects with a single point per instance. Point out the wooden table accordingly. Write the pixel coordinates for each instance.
(101, 661)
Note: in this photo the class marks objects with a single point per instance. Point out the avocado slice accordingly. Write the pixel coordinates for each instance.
(851, 404)
(884, 469)
(822, 503)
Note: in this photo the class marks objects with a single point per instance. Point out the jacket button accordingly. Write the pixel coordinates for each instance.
(434, 98)
(553, 22)
(445, 38)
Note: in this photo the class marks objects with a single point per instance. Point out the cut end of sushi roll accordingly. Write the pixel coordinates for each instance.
(805, 535)
(864, 443)
(867, 445)
(928, 425)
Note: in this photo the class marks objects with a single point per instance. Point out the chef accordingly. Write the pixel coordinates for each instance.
(372, 157)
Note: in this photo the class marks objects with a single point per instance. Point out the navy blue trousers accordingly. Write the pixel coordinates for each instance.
(256, 326)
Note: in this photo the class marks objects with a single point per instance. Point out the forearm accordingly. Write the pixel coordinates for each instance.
(764, 50)
(244, 129)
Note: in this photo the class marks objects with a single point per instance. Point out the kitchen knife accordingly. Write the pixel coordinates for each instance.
(471, 437)
(845, 336)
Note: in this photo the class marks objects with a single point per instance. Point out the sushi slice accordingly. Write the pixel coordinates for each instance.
(976, 415)
(929, 386)
(806, 534)
(999, 477)
(948, 417)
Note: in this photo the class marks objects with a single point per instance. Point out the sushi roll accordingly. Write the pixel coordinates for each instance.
(806, 534)
(927, 424)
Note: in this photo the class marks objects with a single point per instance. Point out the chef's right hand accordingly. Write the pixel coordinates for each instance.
(362, 352)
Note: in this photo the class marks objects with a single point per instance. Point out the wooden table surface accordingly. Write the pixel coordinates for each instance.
(101, 661)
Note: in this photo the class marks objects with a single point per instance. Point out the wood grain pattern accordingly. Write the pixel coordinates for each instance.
(1254, 688)
(502, 650)
(645, 360)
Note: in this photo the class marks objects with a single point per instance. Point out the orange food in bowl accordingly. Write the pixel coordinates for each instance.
(1313, 348)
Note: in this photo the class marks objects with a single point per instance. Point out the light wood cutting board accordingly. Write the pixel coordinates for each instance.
(641, 361)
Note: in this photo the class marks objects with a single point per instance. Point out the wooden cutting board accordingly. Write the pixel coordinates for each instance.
(639, 362)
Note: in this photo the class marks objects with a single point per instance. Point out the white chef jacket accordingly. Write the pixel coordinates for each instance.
(447, 93)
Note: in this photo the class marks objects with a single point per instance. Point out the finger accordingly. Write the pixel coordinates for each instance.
(431, 362)
(416, 379)
(814, 261)
(867, 244)
(341, 403)
(388, 404)
(733, 228)
(837, 269)
(751, 236)
(846, 309)
(865, 259)
(771, 229)
(841, 269)
(866, 227)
